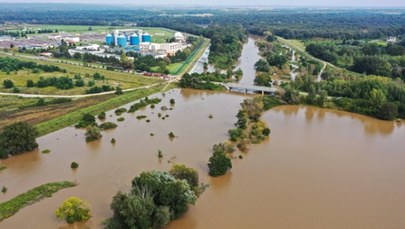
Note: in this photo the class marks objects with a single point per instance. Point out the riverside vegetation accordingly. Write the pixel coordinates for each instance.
(17, 138)
(249, 129)
(156, 198)
(381, 96)
(12, 206)
(73, 210)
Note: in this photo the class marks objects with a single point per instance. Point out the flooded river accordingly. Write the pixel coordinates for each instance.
(250, 55)
(319, 169)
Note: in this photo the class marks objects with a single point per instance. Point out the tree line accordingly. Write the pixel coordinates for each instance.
(376, 96)
(10, 64)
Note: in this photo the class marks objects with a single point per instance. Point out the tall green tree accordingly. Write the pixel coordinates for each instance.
(17, 138)
(219, 163)
(8, 84)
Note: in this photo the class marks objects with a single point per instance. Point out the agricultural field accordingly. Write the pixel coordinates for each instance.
(58, 113)
(112, 78)
(36, 111)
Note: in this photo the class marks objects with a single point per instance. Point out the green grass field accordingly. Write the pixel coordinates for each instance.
(159, 35)
(172, 68)
(298, 43)
(9, 103)
(379, 42)
(76, 28)
(122, 79)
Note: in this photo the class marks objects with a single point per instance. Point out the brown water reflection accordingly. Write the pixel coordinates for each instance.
(321, 168)
(371, 125)
(250, 55)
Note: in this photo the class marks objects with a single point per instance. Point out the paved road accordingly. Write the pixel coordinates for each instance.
(75, 96)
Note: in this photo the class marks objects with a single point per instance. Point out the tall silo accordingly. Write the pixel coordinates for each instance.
(122, 41)
(109, 39)
(134, 39)
(146, 38)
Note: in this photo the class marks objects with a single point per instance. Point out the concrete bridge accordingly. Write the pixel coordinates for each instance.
(250, 88)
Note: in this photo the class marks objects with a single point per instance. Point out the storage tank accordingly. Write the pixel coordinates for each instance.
(134, 39)
(109, 39)
(146, 38)
(122, 41)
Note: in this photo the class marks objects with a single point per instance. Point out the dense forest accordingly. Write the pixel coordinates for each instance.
(227, 28)
(362, 57)
(288, 23)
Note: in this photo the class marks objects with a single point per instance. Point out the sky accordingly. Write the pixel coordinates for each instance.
(324, 3)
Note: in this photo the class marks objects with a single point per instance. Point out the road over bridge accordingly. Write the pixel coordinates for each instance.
(250, 88)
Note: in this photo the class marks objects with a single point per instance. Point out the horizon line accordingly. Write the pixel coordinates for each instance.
(178, 5)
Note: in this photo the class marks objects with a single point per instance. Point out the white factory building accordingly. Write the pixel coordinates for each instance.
(164, 48)
(179, 37)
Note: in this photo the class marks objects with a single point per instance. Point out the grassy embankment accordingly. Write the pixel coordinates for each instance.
(182, 67)
(193, 58)
(17, 109)
(32, 196)
(73, 117)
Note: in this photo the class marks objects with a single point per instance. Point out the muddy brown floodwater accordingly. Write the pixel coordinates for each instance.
(319, 169)
(249, 57)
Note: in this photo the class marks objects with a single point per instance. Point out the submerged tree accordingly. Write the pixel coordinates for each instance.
(219, 162)
(93, 133)
(73, 210)
(156, 198)
(182, 172)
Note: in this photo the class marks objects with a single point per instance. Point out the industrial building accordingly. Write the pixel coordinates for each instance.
(123, 40)
(67, 39)
(179, 37)
(142, 42)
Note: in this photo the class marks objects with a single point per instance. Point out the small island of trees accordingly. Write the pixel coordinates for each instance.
(156, 198)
